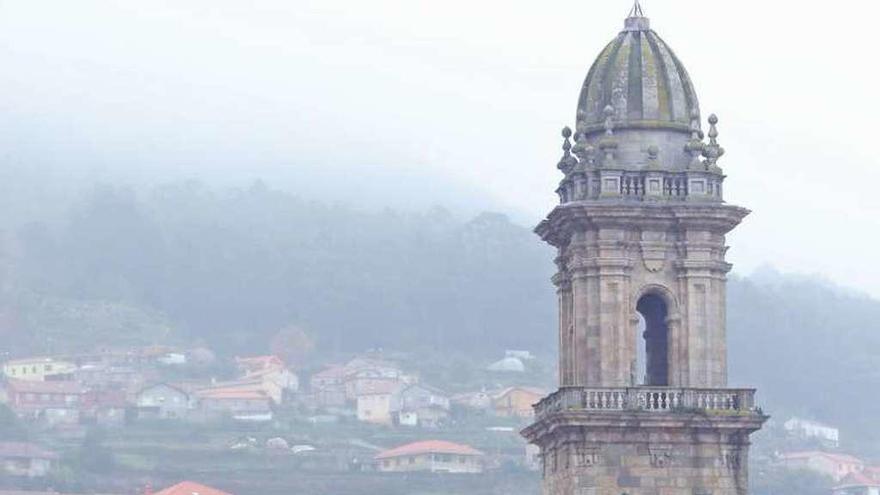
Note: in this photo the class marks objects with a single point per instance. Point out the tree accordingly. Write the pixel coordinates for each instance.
(293, 345)
(10, 426)
(94, 456)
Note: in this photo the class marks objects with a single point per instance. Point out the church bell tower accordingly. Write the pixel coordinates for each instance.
(643, 406)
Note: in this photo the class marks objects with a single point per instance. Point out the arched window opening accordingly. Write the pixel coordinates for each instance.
(653, 310)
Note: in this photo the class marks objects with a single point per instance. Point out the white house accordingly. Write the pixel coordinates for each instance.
(805, 428)
(422, 405)
(837, 466)
(164, 401)
(507, 365)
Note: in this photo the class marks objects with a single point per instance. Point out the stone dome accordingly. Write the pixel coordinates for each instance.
(641, 78)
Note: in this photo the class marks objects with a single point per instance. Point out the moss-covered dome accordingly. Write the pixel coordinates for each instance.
(641, 78)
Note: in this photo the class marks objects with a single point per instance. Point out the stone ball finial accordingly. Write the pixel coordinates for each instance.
(567, 162)
(653, 152)
(713, 130)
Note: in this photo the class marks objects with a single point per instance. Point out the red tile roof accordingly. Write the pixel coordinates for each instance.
(232, 394)
(48, 387)
(254, 363)
(191, 488)
(429, 447)
(23, 450)
(838, 458)
(529, 390)
(858, 479)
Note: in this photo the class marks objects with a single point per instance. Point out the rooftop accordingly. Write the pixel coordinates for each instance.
(231, 393)
(45, 387)
(191, 488)
(429, 447)
(839, 458)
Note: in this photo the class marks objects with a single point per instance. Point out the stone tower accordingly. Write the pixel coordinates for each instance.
(643, 406)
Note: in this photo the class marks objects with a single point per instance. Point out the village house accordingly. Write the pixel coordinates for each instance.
(377, 402)
(105, 407)
(363, 374)
(476, 401)
(25, 459)
(507, 365)
(433, 456)
(39, 369)
(55, 402)
(163, 401)
(268, 388)
(270, 369)
(422, 405)
(240, 403)
(191, 488)
(806, 429)
(114, 377)
(837, 466)
(327, 387)
(516, 402)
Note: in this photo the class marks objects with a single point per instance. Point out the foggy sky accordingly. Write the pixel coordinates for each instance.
(411, 103)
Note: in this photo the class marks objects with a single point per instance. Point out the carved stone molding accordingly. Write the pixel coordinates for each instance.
(731, 459)
(661, 457)
(586, 457)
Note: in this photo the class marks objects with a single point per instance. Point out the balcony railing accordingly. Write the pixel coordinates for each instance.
(649, 399)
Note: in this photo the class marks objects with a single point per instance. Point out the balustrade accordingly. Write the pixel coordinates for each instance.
(640, 186)
(650, 399)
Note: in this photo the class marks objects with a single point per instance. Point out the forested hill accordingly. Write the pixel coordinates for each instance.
(188, 264)
(234, 267)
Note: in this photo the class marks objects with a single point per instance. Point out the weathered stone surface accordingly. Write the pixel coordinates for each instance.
(640, 232)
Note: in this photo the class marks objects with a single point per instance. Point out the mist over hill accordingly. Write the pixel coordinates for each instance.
(227, 268)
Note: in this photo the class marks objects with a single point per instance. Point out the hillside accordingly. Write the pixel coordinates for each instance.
(185, 263)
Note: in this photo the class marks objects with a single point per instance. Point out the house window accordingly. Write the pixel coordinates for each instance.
(462, 459)
(412, 459)
(48, 367)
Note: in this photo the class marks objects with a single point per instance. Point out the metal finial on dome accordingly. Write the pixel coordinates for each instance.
(636, 11)
(636, 20)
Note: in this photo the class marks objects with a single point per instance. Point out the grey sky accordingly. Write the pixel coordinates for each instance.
(451, 99)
